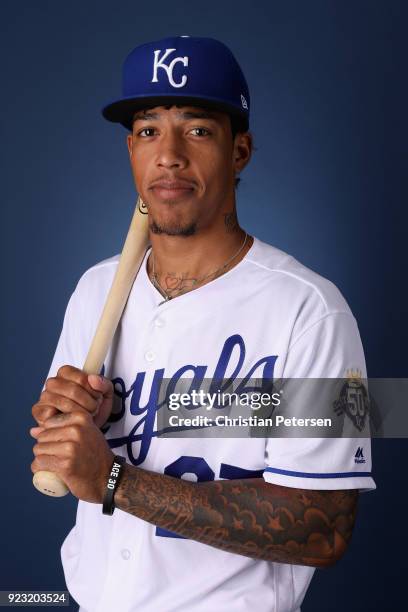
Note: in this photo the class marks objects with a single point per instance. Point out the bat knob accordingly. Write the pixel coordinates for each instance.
(49, 484)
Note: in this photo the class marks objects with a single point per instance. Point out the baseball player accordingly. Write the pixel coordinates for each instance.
(191, 524)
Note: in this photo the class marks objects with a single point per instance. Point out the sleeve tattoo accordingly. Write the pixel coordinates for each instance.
(247, 516)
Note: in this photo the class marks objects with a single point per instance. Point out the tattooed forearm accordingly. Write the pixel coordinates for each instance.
(249, 517)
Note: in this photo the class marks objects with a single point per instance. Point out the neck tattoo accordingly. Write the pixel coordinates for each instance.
(177, 286)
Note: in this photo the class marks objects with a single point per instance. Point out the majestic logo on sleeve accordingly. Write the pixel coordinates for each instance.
(168, 68)
(359, 456)
(231, 360)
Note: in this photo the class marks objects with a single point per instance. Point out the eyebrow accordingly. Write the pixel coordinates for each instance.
(149, 116)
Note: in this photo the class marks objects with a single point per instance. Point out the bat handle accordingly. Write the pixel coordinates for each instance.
(49, 484)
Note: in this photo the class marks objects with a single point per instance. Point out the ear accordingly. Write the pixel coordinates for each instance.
(129, 140)
(243, 146)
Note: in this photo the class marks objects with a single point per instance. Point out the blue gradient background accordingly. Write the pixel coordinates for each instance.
(327, 183)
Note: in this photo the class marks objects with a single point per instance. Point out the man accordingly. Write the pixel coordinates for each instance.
(200, 523)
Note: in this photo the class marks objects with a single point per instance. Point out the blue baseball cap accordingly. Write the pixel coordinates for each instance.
(181, 70)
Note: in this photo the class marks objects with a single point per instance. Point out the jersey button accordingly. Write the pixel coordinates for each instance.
(150, 355)
(159, 323)
(125, 553)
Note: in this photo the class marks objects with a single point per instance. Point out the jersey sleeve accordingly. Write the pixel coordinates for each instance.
(326, 349)
(68, 350)
(82, 314)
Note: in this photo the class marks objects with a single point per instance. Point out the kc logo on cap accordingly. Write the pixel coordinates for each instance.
(181, 70)
(159, 63)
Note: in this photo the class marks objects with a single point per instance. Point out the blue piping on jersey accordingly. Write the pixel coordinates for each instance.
(317, 475)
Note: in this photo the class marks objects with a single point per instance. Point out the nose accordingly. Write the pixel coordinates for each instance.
(171, 152)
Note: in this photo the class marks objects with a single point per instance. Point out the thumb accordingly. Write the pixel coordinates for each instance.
(101, 384)
(105, 386)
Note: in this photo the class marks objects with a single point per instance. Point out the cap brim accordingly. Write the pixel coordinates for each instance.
(122, 111)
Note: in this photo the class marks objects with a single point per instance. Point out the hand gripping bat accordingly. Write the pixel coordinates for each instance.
(130, 260)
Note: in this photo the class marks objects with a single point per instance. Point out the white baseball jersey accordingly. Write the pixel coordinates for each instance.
(269, 315)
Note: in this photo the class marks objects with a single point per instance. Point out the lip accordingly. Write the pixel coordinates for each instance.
(172, 189)
(172, 185)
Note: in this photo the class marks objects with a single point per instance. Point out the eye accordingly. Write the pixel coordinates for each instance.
(145, 130)
(201, 129)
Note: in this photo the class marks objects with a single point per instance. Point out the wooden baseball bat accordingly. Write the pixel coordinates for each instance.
(130, 260)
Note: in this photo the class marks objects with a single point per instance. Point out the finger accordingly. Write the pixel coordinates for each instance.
(61, 403)
(102, 384)
(57, 434)
(72, 373)
(78, 377)
(60, 388)
(60, 420)
(70, 432)
(35, 431)
(58, 448)
(46, 462)
(41, 412)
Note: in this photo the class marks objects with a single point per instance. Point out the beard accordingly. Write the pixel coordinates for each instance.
(173, 229)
